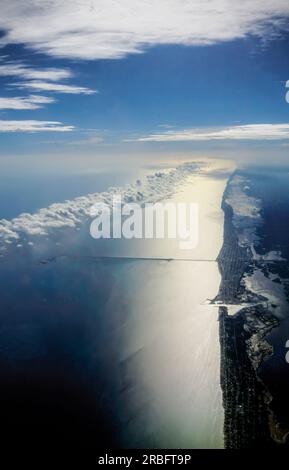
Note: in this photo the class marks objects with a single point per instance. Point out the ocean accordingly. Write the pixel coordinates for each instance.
(117, 352)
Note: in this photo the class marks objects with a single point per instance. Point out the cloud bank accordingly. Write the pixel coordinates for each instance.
(73, 213)
(106, 29)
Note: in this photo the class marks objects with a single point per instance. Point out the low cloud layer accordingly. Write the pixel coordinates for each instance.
(72, 214)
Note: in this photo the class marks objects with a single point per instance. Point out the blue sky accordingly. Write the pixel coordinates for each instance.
(107, 77)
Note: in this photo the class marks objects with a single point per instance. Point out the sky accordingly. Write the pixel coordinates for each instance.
(118, 77)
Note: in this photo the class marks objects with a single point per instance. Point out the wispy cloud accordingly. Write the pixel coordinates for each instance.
(35, 80)
(30, 102)
(245, 132)
(55, 87)
(34, 126)
(93, 140)
(97, 29)
(166, 126)
(16, 69)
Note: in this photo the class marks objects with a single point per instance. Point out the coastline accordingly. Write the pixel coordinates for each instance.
(249, 422)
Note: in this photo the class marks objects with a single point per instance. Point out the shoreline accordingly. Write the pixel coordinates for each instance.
(248, 419)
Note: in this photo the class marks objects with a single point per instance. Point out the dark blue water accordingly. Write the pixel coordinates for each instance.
(58, 373)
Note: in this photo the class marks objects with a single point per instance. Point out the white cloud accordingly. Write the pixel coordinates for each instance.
(54, 87)
(245, 132)
(73, 213)
(16, 69)
(33, 126)
(30, 102)
(95, 29)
